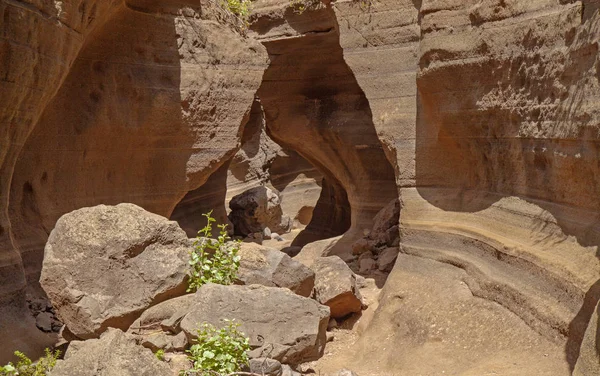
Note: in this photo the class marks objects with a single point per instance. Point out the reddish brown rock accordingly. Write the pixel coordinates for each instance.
(335, 286)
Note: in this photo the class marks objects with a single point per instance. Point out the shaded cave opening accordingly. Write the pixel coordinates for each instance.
(313, 206)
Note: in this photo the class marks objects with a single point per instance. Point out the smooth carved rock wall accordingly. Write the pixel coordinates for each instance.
(39, 42)
(490, 109)
(314, 105)
(507, 155)
(152, 103)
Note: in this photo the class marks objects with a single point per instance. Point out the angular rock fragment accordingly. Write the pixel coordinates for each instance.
(256, 209)
(314, 250)
(105, 265)
(335, 286)
(115, 353)
(158, 327)
(387, 259)
(265, 366)
(269, 267)
(280, 324)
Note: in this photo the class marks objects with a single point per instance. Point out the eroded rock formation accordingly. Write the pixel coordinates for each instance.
(482, 116)
(108, 102)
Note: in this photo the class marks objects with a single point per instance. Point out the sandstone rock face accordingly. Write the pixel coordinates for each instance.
(335, 286)
(314, 105)
(255, 209)
(109, 102)
(115, 353)
(288, 327)
(270, 267)
(588, 362)
(104, 265)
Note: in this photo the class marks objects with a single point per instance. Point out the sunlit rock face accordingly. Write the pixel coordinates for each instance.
(109, 102)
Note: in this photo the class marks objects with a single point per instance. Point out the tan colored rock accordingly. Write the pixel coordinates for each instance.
(314, 105)
(335, 286)
(115, 353)
(105, 265)
(108, 102)
(288, 327)
(270, 267)
(255, 209)
(387, 259)
(315, 250)
(588, 362)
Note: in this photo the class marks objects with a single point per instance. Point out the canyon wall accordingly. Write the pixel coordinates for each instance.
(488, 113)
(481, 115)
(136, 101)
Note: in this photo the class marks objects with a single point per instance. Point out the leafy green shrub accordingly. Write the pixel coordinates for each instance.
(213, 260)
(241, 8)
(300, 6)
(160, 355)
(221, 351)
(26, 367)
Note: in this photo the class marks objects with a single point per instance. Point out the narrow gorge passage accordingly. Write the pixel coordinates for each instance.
(424, 176)
(314, 105)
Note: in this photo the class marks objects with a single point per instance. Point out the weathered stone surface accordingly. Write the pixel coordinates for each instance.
(315, 250)
(164, 315)
(158, 327)
(115, 353)
(588, 362)
(387, 219)
(105, 265)
(335, 286)
(265, 366)
(346, 372)
(269, 267)
(387, 259)
(313, 104)
(255, 209)
(288, 327)
(107, 102)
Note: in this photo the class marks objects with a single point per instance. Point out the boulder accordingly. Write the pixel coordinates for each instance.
(335, 286)
(115, 353)
(270, 267)
(105, 265)
(314, 250)
(387, 259)
(158, 327)
(363, 246)
(265, 367)
(385, 220)
(366, 265)
(256, 209)
(280, 324)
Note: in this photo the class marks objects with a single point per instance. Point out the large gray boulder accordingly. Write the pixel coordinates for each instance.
(270, 267)
(280, 324)
(335, 286)
(256, 209)
(105, 265)
(115, 353)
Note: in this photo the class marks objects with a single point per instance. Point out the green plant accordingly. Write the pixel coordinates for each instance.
(26, 367)
(300, 6)
(213, 260)
(160, 355)
(220, 351)
(241, 8)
